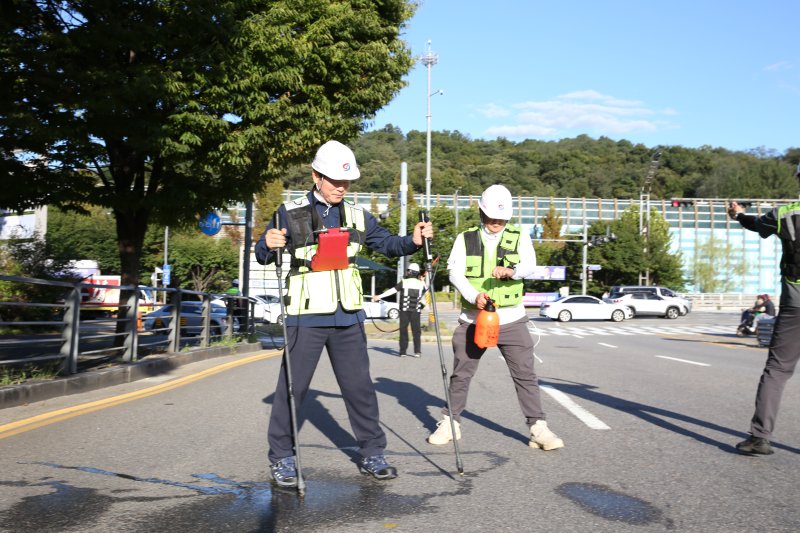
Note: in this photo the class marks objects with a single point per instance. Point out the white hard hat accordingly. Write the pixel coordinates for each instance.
(336, 161)
(413, 267)
(496, 202)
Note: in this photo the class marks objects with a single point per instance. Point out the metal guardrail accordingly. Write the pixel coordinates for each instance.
(722, 300)
(55, 331)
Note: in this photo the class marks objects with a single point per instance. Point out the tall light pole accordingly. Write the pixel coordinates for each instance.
(644, 213)
(429, 59)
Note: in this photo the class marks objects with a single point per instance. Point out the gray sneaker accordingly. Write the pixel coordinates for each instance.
(284, 472)
(755, 446)
(377, 466)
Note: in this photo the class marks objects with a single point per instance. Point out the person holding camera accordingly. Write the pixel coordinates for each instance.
(784, 348)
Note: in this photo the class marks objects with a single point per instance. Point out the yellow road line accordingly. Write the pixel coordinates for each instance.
(21, 426)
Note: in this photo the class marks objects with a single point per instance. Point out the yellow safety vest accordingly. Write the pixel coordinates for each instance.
(321, 292)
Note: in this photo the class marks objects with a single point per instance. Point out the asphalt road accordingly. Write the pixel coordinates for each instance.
(649, 410)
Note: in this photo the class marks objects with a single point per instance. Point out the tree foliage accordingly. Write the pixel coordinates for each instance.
(202, 263)
(572, 167)
(161, 111)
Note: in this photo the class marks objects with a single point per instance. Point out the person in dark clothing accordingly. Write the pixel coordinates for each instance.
(324, 305)
(784, 349)
(411, 289)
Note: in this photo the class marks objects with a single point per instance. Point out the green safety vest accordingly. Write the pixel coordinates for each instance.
(481, 262)
(321, 292)
(789, 233)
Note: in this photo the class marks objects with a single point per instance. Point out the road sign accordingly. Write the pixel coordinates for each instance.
(594, 267)
(167, 275)
(210, 224)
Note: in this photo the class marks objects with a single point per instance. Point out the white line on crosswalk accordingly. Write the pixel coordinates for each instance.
(606, 345)
(580, 413)
(682, 360)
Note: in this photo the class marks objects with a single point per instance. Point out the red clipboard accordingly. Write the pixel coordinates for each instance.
(331, 251)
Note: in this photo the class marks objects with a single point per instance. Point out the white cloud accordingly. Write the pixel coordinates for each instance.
(779, 66)
(577, 112)
(492, 110)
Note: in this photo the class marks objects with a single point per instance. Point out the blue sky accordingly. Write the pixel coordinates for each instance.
(688, 73)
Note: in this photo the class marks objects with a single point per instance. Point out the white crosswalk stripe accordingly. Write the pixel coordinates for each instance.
(559, 330)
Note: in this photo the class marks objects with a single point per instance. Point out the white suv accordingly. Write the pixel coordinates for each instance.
(665, 298)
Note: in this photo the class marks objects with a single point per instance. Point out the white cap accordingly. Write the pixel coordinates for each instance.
(336, 161)
(496, 203)
(413, 267)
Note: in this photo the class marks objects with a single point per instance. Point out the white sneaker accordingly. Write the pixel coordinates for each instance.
(443, 433)
(542, 437)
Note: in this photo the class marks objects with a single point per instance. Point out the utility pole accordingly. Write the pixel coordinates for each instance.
(644, 213)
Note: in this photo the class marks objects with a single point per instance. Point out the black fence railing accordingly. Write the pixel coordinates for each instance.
(71, 332)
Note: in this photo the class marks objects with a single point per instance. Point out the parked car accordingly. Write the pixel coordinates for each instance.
(684, 304)
(583, 307)
(649, 303)
(191, 318)
(267, 308)
(381, 309)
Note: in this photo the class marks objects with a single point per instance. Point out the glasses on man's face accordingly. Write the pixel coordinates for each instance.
(495, 221)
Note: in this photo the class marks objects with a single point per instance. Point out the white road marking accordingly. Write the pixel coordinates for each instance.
(682, 360)
(537, 358)
(606, 345)
(580, 413)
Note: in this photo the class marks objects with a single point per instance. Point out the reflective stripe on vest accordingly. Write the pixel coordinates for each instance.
(480, 263)
(321, 292)
(411, 294)
(789, 233)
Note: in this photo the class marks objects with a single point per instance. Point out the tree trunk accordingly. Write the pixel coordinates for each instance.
(131, 228)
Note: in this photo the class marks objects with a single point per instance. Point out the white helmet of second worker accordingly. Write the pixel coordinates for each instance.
(496, 203)
(413, 267)
(336, 161)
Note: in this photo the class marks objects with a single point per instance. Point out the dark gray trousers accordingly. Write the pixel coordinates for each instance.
(410, 318)
(784, 352)
(347, 349)
(516, 346)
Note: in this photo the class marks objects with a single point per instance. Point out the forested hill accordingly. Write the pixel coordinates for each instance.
(570, 167)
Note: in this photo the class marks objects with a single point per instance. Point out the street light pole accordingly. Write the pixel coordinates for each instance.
(429, 59)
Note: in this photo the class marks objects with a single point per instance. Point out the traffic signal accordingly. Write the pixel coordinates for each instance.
(682, 203)
(589, 274)
(597, 240)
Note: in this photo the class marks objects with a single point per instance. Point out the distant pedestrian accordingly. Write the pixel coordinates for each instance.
(784, 349)
(411, 290)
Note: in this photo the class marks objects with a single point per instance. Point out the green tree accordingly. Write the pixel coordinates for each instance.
(87, 235)
(29, 257)
(716, 266)
(203, 263)
(160, 111)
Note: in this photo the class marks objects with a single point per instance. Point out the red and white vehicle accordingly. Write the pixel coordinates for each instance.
(102, 298)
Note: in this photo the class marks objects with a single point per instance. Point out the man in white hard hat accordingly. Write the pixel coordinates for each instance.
(411, 289)
(490, 261)
(324, 305)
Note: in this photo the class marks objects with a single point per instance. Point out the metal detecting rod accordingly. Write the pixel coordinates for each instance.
(287, 363)
(423, 217)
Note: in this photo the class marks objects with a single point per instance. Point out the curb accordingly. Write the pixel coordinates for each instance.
(24, 393)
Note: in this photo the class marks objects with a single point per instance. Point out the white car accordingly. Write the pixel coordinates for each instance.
(648, 303)
(381, 309)
(267, 308)
(583, 307)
